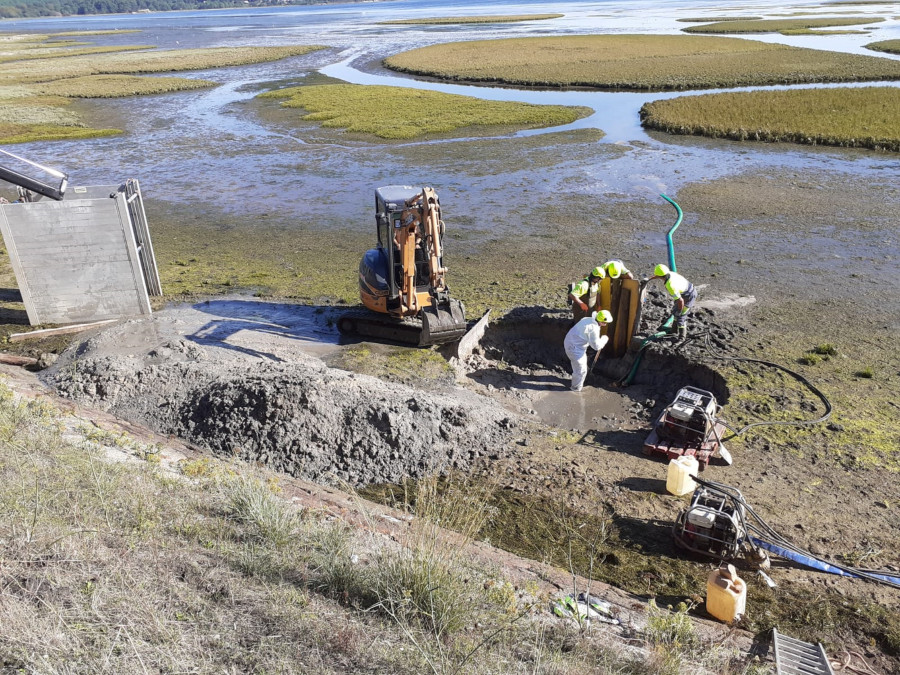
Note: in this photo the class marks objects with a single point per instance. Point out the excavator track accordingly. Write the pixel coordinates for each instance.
(433, 326)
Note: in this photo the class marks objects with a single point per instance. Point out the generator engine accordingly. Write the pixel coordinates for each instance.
(689, 418)
(713, 525)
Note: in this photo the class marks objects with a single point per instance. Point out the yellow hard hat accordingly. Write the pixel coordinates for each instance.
(603, 316)
(614, 269)
(598, 272)
(661, 271)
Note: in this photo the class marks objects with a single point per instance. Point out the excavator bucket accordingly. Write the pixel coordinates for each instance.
(442, 323)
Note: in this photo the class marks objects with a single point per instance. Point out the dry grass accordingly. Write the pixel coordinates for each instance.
(113, 86)
(866, 117)
(888, 46)
(638, 62)
(125, 567)
(441, 20)
(403, 113)
(779, 25)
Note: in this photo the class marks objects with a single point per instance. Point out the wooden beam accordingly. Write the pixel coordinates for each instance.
(62, 330)
(16, 360)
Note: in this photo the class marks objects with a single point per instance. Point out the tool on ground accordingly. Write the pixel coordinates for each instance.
(402, 281)
(689, 426)
(720, 524)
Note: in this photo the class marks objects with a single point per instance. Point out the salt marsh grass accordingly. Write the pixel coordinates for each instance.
(779, 25)
(475, 19)
(708, 19)
(638, 62)
(172, 60)
(888, 46)
(113, 86)
(40, 75)
(867, 117)
(403, 113)
(31, 52)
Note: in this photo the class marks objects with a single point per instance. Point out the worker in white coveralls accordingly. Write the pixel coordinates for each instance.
(584, 334)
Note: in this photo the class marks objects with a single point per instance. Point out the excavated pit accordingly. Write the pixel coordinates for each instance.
(523, 350)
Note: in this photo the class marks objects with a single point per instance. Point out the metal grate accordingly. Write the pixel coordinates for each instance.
(794, 657)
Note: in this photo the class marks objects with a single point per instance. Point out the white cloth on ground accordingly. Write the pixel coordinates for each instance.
(584, 334)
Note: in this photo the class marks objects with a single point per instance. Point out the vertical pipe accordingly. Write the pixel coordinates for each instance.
(672, 229)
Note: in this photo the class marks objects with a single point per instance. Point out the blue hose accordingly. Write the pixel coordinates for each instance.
(821, 565)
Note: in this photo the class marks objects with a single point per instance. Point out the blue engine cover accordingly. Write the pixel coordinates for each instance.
(373, 268)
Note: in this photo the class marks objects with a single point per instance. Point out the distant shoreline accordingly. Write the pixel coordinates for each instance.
(82, 7)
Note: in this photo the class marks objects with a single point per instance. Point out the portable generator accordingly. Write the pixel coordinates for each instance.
(689, 425)
(713, 525)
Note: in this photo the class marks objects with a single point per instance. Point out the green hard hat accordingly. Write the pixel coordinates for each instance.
(614, 269)
(603, 316)
(661, 270)
(598, 272)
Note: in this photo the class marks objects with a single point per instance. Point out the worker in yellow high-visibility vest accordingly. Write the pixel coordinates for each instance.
(682, 291)
(615, 269)
(584, 295)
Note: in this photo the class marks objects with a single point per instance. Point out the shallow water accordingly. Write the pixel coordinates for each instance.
(208, 155)
(234, 155)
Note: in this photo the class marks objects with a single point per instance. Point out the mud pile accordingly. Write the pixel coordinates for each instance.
(302, 417)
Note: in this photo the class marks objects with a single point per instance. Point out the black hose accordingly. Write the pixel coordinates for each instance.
(795, 375)
(763, 530)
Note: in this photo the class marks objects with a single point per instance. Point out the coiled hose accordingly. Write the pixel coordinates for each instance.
(797, 376)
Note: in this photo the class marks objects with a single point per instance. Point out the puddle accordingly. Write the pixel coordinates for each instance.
(590, 409)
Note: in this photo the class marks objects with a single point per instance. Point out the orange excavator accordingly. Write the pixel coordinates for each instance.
(402, 281)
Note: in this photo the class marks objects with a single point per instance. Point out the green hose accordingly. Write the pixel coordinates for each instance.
(672, 229)
(640, 353)
(667, 326)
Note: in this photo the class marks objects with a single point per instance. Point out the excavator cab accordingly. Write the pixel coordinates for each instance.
(403, 277)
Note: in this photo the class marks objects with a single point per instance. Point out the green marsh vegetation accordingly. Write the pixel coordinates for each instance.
(707, 19)
(39, 77)
(790, 26)
(500, 18)
(865, 117)
(403, 113)
(638, 62)
(888, 46)
(114, 86)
